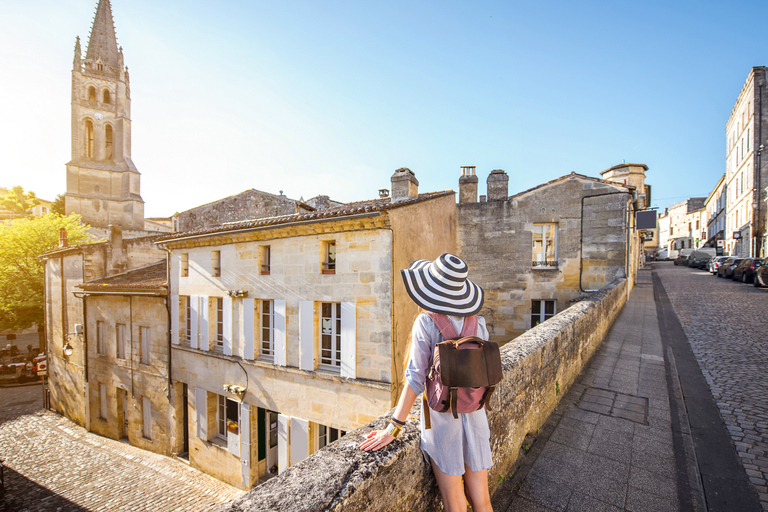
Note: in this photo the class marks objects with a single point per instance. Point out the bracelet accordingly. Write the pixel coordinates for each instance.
(393, 430)
(397, 421)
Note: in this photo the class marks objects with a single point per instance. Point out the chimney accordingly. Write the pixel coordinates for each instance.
(404, 185)
(63, 238)
(498, 185)
(468, 185)
(116, 237)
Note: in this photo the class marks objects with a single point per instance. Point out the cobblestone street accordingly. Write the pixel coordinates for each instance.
(53, 465)
(726, 323)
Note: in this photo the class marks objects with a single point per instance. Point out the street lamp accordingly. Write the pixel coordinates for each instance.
(67, 347)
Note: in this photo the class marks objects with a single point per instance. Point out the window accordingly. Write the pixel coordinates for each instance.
(227, 417)
(184, 265)
(327, 435)
(105, 97)
(265, 255)
(219, 305)
(91, 93)
(101, 338)
(120, 341)
(89, 139)
(541, 310)
(741, 190)
(748, 132)
(216, 263)
(267, 329)
(330, 335)
(146, 414)
(329, 264)
(185, 320)
(697, 225)
(108, 142)
(145, 344)
(544, 245)
(103, 401)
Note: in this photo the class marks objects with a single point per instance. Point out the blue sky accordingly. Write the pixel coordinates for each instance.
(331, 97)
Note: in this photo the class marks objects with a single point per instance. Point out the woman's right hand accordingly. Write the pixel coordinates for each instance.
(376, 440)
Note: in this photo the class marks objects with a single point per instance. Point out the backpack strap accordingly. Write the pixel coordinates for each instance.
(443, 325)
(470, 326)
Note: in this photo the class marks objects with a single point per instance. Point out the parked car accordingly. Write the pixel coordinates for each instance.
(726, 267)
(745, 270)
(700, 257)
(682, 258)
(761, 275)
(714, 263)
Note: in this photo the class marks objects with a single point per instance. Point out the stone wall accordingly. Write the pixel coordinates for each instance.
(538, 368)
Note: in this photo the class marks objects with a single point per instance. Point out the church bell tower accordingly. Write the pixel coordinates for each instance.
(103, 184)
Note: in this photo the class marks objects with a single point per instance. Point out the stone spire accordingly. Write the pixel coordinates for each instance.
(78, 55)
(102, 52)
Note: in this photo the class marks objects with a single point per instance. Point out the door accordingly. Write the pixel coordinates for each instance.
(271, 441)
(124, 408)
(185, 408)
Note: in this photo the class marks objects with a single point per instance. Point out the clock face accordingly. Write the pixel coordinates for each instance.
(98, 115)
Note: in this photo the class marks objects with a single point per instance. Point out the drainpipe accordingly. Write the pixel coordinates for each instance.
(581, 237)
(130, 333)
(168, 297)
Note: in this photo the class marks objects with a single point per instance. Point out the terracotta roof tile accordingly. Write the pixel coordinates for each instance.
(150, 278)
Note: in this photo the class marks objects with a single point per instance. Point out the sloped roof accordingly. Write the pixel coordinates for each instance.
(149, 278)
(371, 205)
(572, 175)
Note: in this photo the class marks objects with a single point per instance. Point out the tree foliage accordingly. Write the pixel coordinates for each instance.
(57, 206)
(22, 241)
(18, 202)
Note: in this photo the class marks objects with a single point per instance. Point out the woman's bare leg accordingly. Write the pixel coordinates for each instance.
(452, 490)
(476, 487)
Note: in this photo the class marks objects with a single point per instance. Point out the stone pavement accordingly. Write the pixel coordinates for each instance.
(54, 465)
(616, 441)
(726, 324)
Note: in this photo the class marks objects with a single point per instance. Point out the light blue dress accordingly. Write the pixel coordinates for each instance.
(450, 443)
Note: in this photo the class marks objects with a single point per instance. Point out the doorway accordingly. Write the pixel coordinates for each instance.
(185, 421)
(123, 394)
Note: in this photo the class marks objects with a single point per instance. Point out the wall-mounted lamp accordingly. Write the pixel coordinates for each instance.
(67, 347)
(237, 294)
(235, 390)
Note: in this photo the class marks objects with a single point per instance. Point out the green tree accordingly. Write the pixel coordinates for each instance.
(18, 202)
(22, 241)
(57, 206)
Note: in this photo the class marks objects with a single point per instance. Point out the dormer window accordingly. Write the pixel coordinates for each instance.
(106, 99)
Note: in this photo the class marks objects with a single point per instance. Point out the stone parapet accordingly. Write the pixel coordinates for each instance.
(539, 367)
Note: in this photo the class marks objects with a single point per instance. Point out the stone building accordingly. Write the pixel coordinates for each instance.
(130, 394)
(66, 270)
(687, 227)
(746, 174)
(288, 331)
(715, 205)
(536, 251)
(103, 184)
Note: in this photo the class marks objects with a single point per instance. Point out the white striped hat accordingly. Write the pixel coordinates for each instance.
(441, 286)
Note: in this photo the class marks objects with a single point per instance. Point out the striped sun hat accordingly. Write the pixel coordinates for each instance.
(441, 286)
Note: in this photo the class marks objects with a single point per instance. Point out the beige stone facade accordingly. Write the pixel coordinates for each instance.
(305, 317)
(536, 251)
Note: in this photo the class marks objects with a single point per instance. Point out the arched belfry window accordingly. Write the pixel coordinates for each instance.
(108, 142)
(91, 93)
(106, 98)
(88, 138)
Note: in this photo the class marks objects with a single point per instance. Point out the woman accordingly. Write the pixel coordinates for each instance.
(458, 449)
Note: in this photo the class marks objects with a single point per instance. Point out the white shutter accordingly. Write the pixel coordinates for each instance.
(299, 440)
(201, 413)
(146, 410)
(245, 444)
(306, 335)
(203, 320)
(281, 348)
(175, 319)
(233, 443)
(226, 317)
(348, 340)
(283, 447)
(247, 334)
(194, 322)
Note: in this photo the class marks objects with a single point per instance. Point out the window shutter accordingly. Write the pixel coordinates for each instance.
(226, 305)
(203, 321)
(348, 340)
(247, 315)
(281, 349)
(306, 335)
(245, 444)
(283, 448)
(299, 440)
(194, 312)
(201, 413)
(175, 319)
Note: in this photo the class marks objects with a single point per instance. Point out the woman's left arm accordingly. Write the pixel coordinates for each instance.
(379, 438)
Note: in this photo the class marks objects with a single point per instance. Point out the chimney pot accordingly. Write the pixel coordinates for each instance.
(404, 184)
(63, 242)
(468, 185)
